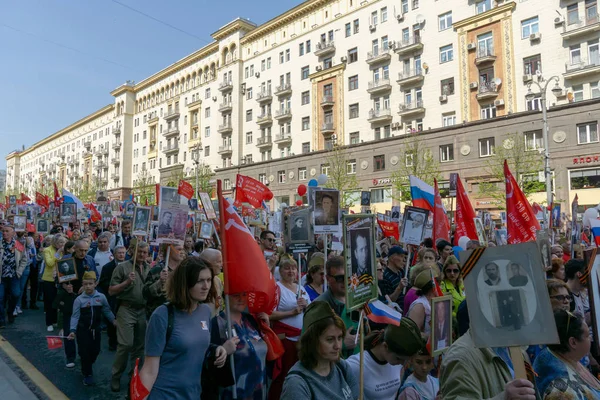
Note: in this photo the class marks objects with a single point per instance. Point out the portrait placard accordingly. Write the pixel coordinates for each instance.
(42, 225)
(207, 205)
(172, 218)
(154, 232)
(507, 298)
(501, 237)
(101, 197)
(20, 222)
(115, 207)
(155, 213)
(543, 242)
(359, 246)
(480, 231)
(441, 324)
(12, 200)
(365, 198)
(128, 208)
(326, 213)
(141, 221)
(66, 270)
(383, 247)
(206, 229)
(413, 225)
(299, 230)
(68, 212)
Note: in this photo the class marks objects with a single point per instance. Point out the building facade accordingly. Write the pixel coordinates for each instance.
(358, 74)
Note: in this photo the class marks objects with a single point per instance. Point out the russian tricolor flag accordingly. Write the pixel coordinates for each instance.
(69, 197)
(422, 194)
(595, 227)
(380, 313)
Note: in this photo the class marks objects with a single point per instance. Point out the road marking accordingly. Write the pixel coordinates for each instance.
(36, 377)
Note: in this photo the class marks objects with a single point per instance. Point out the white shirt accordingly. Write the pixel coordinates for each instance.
(287, 302)
(427, 306)
(102, 258)
(382, 381)
(427, 390)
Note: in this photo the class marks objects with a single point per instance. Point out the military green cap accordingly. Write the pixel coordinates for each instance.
(89, 275)
(315, 312)
(422, 279)
(404, 340)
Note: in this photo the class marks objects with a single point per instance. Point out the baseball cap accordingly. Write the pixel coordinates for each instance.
(396, 250)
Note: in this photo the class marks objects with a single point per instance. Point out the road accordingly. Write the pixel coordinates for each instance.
(27, 337)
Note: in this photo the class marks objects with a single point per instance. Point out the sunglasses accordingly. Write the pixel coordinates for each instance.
(338, 278)
(270, 240)
(452, 271)
(561, 297)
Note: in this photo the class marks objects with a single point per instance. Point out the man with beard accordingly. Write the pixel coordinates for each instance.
(492, 272)
(104, 284)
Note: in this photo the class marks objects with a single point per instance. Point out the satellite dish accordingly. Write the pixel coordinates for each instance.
(420, 19)
(497, 81)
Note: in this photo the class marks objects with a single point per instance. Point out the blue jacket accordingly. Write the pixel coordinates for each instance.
(88, 311)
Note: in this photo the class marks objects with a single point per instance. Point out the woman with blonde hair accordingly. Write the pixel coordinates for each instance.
(452, 283)
(426, 262)
(51, 255)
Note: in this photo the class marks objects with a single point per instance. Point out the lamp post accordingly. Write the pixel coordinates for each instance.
(556, 90)
(196, 158)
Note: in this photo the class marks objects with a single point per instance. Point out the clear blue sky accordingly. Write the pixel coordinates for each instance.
(61, 58)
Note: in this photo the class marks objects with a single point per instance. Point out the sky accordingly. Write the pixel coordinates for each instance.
(60, 59)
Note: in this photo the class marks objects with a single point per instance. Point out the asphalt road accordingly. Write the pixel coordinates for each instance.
(28, 336)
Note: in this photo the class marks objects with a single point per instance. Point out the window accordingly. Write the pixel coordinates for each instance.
(248, 115)
(577, 93)
(308, 46)
(262, 178)
(447, 153)
(575, 55)
(447, 86)
(353, 111)
(281, 176)
(330, 35)
(248, 137)
(348, 29)
(305, 147)
(301, 49)
(532, 64)
(446, 53)
(572, 14)
(415, 4)
(206, 151)
(356, 26)
(305, 97)
(485, 45)
(302, 174)
(226, 184)
(486, 147)
(534, 104)
(587, 133)
(483, 6)
(352, 55)
(445, 21)
(263, 65)
(409, 159)
(207, 131)
(374, 18)
(379, 163)
(585, 179)
(529, 27)
(595, 90)
(354, 138)
(351, 167)
(449, 119)
(533, 140)
(488, 111)
(287, 55)
(305, 71)
(327, 63)
(404, 6)
(305, 123)
(281, 57)
(353, 82)
(207, 93)
(381, 196)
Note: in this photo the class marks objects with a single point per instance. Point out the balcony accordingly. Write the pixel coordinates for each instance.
(379, 86)
(407, 109)
(264, 119)
(225, 128)
(264, 97)
(283, 114)
(116, 130)
(170, 149)
(327, 128)
(582, 28)
(105, 152)
(226, 86)
(87, 144)
(485, 55)
(101, 164)
(324, 48)
(153, 119)
(408, 45)
(410, 77)
(115, 161)
(115, 177)
(379, 56)
(71, 163)
(582, 68)
(264, 141)
(225, 150)
(224, 107)
(283, 138)
(327, 101)
(487, 91)
(116, 145)
(172, 113)
(194, 104)
(283, 90)
(172, 131)
(380, 115)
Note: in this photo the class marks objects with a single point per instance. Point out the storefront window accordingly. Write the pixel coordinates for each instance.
(585, 179)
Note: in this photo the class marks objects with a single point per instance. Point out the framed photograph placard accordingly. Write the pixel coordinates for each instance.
(326, 213)
(20, 223)
(359, 252)
(441, 324)
(65, 269)
(206, 229)
(141, 221)
(42, 226)
(68, 212)
(299, 229)
(413, 225)
(207, 205)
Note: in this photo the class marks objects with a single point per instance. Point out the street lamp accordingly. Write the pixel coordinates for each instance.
(196, 159)
(556, 90)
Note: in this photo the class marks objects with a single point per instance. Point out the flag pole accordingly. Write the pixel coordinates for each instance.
(325, 262)
(407, 268)
(226, 278)
(361, 380)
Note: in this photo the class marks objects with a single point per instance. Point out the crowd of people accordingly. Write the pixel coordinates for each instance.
(164, 306)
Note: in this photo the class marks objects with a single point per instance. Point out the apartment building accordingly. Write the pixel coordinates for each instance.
(348, 72)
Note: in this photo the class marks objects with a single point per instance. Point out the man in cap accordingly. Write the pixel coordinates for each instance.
(394, 275)
(299, 232)
(104, 284)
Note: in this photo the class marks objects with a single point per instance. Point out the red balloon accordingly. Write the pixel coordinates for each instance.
(298, 202)
(268, 195)
(301, 190)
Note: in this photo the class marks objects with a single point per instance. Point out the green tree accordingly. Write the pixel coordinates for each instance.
(524, 165)
(205, 175)
(341, 176)
(416, 159)
(144, 187)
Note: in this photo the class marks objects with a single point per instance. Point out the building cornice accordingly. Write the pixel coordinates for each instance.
(333, 71)
(485, 17)
(232, 27)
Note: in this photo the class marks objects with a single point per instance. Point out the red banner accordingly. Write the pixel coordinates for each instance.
(56, 194)
(42, 200)
(521, 224)
(157, 190)
(465, 215)
(95, 214)
(249, 190)
(441, 225)
(245, 269)
(185, 189)
(390, 229)
(25, 198)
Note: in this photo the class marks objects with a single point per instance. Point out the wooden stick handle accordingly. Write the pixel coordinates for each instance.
(518, 362)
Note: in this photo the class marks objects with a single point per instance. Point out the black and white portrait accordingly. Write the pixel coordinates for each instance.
(66, 270)
(517, 276)
(206, 230)
(115, 207)
(165, 224)
(42, 226)
(360, 248)
(327, 210)
(441, 321)
(155, 213)
(365, 198)
(383, 247)
(413, 225)
(129, 208)
(193, 204)
(68, 212)
(501, 237)
(141, 221)
(492, 274)
(481, 237)
(169, 195)
(153, 231)
(101, 196)
(20, 222)
(299, 227)
(543, 242)
(207, 205)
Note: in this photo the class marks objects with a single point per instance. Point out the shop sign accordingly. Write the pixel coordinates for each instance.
(586, 160)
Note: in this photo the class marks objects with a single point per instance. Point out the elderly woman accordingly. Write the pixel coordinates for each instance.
(420, 309)
(320, 373)
(287, 320)
(558, 269)
(452, 283)
(51, 255)
(560, 375)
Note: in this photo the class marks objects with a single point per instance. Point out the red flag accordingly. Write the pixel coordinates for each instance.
(185, 189)
(249, 190)
(42, 200)
(137, 390)
(441, 225)
(157, 190)
(54, 343)
(25, 198)
(521, 224)
(240, 251)
(465, 215)
(56, 194)
(95, 214)
(390, 229)
(146, 204)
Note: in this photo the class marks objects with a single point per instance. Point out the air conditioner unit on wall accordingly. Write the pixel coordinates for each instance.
(319, 68)
(344, 59)
(400, 17)
(559, 20)
(471, 46)
(473, 85)
(527, 78)
(443, 98)
(535, 36)
(498, 102)
(372, 28)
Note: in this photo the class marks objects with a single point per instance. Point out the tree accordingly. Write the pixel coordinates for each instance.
(144, 187)
(414, 159)
(340, 179)
(205, 175)
(524, 164)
